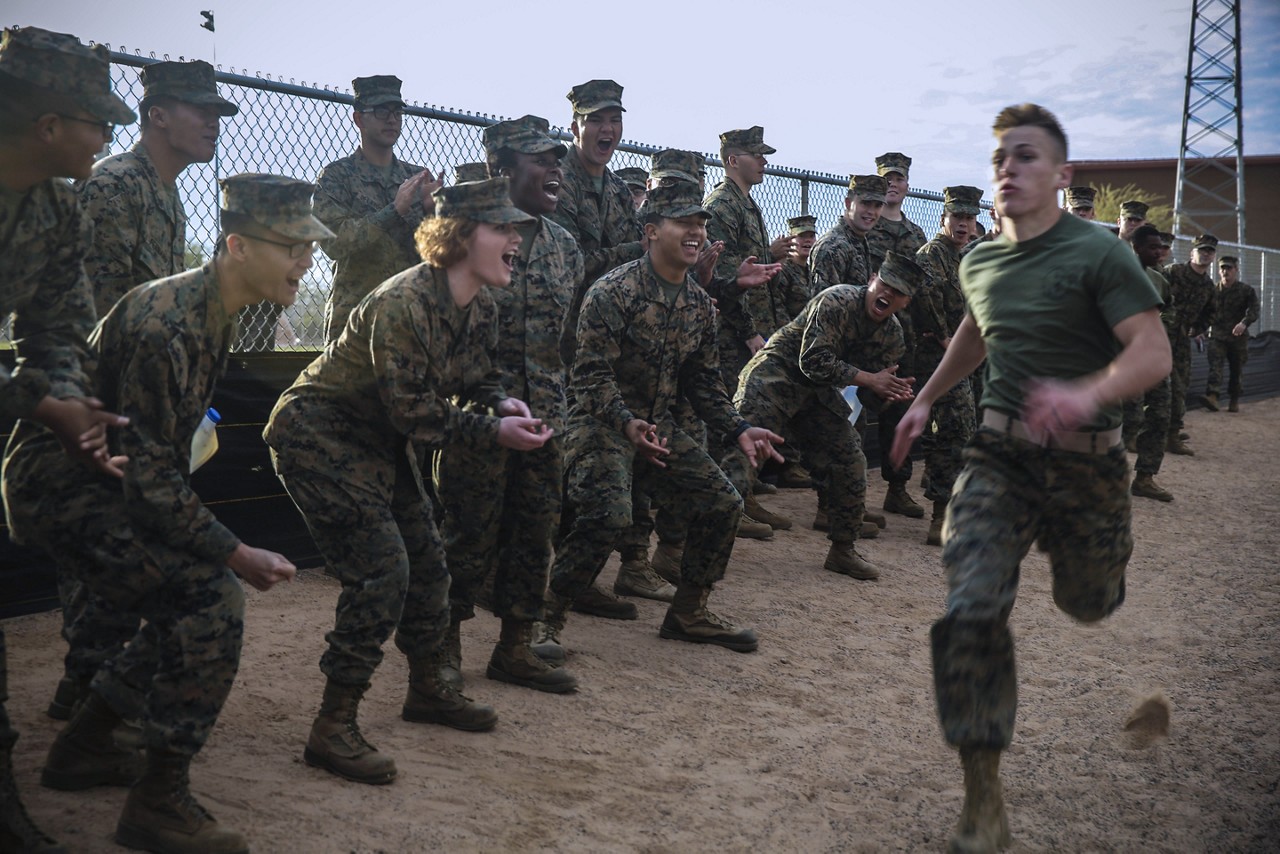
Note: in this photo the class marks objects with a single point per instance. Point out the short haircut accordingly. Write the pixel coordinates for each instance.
(499, 160)
(164, 102)
(1031, 115)
(726, 151)
(1143, 232)
(231, 222)
(442, 240)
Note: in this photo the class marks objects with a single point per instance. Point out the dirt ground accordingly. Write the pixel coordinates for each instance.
(824, 740)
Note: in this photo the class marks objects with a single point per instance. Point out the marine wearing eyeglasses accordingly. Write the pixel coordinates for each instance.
(373, 200)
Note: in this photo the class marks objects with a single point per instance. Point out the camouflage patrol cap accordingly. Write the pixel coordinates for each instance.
(673, 201)
(1166, 239)
(60, 63)
(276, 202)
(750, 140)
(869, 187)
(1080, 197)
(797, 225)
(527, 135)
(893, 161)
(677, 163)
(595, 95)
(1228, 261)
(1134, 209)
(1206, 240)
(483, 201)
(901, 273)
(377, 90)
(633, 176)
(189, 82)
(465, 173)
(962, 200)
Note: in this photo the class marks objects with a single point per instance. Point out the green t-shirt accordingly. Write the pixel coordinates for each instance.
(1046, 308)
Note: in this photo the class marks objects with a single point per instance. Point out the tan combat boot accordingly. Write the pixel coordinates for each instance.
(666, 561)
(794, 476)
(877, 519)
(868, 531)
(86, 754)
(750, 529)
(431, 701)
(689, 619)
(515, 662)
(983, 825)
(1145, 486)
(336, 744)
(546, 642)
(753, 509)
(69, 694)
(897, 500)
(451, 655)
(1234, 405)
(844, 559)
(637, 578)
(17, 831)
(161, 814)
(601, 603)
(1210, 402)
(1175, 445)
(934, 537)
(820, 520)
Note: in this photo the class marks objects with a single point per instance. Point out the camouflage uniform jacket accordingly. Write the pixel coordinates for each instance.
(840, 257)
(1192, 297)
(637, 355)
(410, 364)
(938, 307)
(44, 236)
(829, 343)
(373, 243)
(903, 237)
(737, 221)
(157, 357)
(785, 296)
(139, 226)
(604, 224)
(532, 313)
(969, 247)
(1235, 304)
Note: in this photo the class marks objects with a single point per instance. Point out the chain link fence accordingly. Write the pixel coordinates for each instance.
(296, 129)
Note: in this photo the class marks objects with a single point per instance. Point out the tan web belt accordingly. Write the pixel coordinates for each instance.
(1087, 442)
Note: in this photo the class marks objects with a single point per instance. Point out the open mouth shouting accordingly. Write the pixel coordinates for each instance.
(552, 190)
(881, 307)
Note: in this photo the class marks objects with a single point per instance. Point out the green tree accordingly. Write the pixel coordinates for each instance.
(1106, 204)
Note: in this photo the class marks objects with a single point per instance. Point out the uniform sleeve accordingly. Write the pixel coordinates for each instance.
(158, 496)
(1251, 312)
(1123, 289)
(599, 261)
(928, 314)
(825, 264)
(601, 325)
(112, 206)
(735, 306)
(49, 331)
(402, 354)
(703, 386)
(335, 206)
(795, 289)
(822, 344)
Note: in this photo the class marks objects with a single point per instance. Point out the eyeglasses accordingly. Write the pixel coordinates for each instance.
(384, 113)
(296, 250)
(107, 128)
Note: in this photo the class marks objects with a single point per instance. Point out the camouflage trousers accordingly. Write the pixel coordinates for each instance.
(600, 467)
(951, 426)
(185, 657)
(1179, 382)
(96, 635)
(1235, 353)
(830, 445)
(634, 544)
(1011, 494)
(1155, 428)
(501, 509)
(390, 561)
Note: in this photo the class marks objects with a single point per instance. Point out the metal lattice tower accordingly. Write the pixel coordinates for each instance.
(1210, 191)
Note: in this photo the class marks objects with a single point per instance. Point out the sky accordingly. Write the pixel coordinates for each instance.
(833, 82)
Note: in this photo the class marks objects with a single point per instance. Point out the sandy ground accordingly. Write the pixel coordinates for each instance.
(824, 740)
